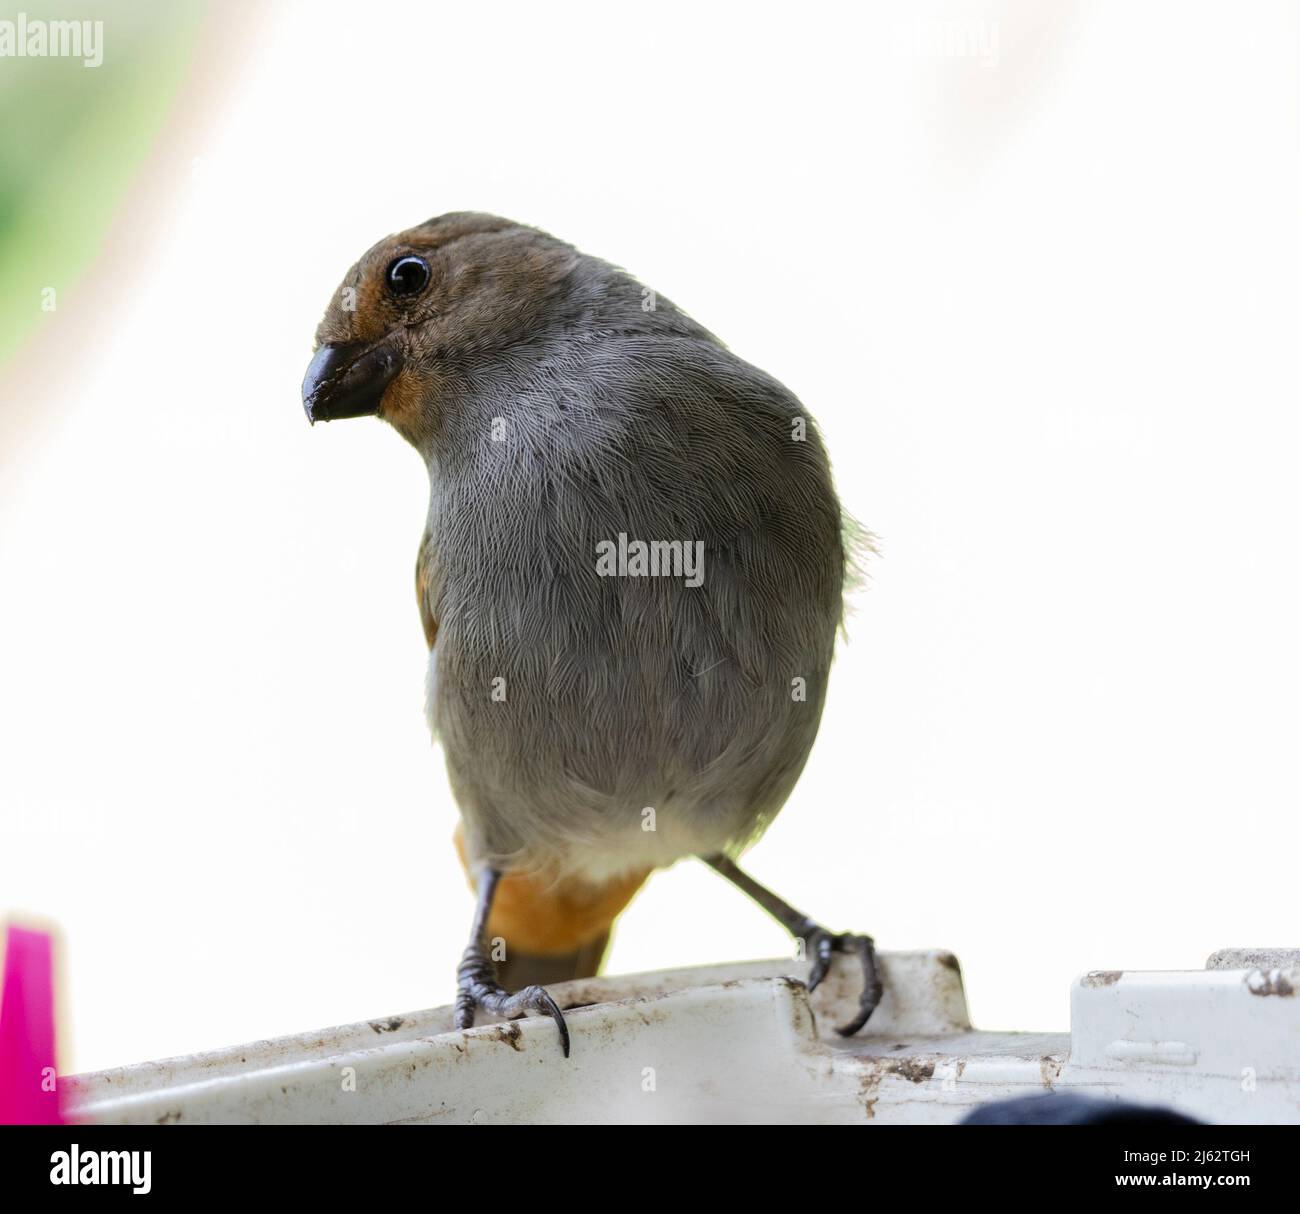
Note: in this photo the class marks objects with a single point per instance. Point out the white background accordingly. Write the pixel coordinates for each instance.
(1043, 301)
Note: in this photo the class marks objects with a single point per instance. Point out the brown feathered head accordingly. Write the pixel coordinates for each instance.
(425, 303)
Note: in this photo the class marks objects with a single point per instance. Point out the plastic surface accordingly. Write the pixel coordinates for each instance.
(746, 1043)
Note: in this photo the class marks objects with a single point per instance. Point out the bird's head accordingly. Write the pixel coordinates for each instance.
(427, 306)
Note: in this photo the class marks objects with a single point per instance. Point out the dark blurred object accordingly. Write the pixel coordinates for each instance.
(1065, 1108)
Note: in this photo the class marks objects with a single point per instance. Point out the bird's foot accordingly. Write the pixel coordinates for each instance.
(479, 988)
(821, 944)
(816, 942)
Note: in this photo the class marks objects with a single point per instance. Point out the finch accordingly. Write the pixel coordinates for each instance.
(630, 580)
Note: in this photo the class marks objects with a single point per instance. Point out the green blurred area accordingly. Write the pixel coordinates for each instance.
(73, 137)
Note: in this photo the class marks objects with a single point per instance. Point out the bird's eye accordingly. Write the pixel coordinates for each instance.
(408, 276)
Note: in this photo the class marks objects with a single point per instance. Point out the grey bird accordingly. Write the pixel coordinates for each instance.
(631, 580)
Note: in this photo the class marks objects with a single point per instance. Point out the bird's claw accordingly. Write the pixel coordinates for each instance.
(822, 945)
(479, 988)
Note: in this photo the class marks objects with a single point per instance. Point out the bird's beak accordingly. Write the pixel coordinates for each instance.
(348, 381)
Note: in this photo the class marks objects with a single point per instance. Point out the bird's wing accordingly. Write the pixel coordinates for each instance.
(424, 590)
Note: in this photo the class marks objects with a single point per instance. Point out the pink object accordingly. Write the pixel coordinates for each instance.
(28, 1095)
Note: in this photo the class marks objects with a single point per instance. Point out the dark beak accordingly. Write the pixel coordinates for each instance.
(347, 381)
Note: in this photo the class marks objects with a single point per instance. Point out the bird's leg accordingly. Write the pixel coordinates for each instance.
(477, 975)
(819, 943)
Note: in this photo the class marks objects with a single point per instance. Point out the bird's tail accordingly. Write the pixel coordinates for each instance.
(552, 930)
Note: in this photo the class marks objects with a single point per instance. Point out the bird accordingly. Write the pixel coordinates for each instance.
(631, 580)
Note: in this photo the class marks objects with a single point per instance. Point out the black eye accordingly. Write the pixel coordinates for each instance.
(408, 275)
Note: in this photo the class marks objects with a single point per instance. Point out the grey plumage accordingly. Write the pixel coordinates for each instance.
(622, 693)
